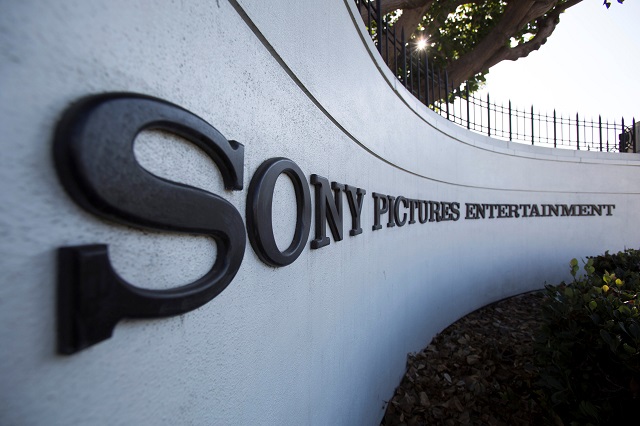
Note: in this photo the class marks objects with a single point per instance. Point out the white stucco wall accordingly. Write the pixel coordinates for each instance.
(323, 340)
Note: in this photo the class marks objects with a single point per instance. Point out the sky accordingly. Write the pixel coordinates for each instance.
(589, 65)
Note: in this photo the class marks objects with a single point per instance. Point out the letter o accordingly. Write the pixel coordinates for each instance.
(260, 214)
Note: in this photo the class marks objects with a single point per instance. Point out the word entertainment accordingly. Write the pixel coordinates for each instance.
(491, 211)
(95, 162)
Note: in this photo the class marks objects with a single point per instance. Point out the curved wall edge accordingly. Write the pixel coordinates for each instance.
(474, 138)
(426, 142)
(436, 221)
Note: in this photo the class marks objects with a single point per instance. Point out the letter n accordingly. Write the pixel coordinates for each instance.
(328, 209)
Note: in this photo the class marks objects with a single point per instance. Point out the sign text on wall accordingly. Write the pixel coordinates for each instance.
(93, 153)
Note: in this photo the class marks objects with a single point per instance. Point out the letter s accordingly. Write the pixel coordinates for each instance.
(93, 153)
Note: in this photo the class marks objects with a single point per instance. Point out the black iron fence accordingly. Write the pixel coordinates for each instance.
(431, 85)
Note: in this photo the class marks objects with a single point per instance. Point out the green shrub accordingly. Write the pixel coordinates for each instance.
(588, 351)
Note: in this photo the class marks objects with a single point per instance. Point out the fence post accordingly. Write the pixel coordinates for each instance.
(555, 140)
(387, 36)
(426, 79)
(532, 124)
(623, 132)
(510, 131)
(379, 22)
(577, 132)
(607, 127)
(418, 91)
(488, 116)
(395, 52)
(404, 58)
(633, 133)
(433, 86)
(446, 90)
(369, 18)
(466, 88)
(440, 88)
(410, 67)
(600, 128)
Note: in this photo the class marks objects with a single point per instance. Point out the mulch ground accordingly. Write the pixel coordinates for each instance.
(478, 371)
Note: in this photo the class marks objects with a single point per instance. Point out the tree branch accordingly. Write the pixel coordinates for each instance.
(411, 18)
(546, 27)
(494, 47)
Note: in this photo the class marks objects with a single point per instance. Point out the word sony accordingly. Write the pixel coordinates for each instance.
(94, 159)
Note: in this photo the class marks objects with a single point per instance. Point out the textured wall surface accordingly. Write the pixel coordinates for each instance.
(323, 340)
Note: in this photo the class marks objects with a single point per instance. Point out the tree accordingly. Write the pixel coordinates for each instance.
(467, 37)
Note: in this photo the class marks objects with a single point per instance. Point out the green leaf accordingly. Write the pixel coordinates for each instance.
(612, 341)
(588, 409)
(574, 266)
(624, 309)
(606, 336)
(629, 349)
(634, 330)
(622, 327)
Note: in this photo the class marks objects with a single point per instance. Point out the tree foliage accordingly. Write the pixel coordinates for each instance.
(469, 37)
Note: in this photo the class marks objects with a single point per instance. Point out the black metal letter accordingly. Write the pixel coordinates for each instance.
(392, 218)
(329, 209)
(434, 211)
(260, 216)
(413, 204)
(396, 211)
(379, 209)
(423, 207)
(355, 197)
(93, 152)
